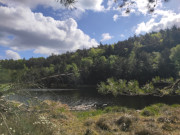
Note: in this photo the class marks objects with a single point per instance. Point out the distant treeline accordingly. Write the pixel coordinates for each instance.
(139, 58)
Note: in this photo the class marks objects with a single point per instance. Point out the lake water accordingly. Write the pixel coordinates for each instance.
(90, 97)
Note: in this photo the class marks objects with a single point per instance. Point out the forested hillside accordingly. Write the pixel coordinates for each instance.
(139, 58)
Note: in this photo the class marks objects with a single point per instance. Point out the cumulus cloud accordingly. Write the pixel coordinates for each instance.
(95, 5)
(115, 17)
(168, 20)
(122, 35)
(83, 5)
(139, 7)
(12, 55)
(110, 4)
(106, 36)
(22, 29)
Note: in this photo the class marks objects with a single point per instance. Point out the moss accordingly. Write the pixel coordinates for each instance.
(87, 114)
(115, 109)
(151, 110)
(175, 105)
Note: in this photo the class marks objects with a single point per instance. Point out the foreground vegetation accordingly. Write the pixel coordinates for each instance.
(54, 118)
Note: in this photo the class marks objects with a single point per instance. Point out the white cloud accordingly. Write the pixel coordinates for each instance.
(115, 17)
(95, 5)
(139, 7)
(106, 36)
(110, 4)
(122, 35)
(12, 55)
(34, 31)
(168, 20)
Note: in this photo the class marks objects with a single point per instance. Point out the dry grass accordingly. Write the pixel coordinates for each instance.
(54, 118)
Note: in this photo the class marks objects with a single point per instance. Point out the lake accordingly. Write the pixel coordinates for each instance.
(90, 98)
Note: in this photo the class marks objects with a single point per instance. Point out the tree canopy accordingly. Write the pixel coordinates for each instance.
(138, 58)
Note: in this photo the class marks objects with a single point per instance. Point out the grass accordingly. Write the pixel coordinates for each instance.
(54, 118)
(96, 112)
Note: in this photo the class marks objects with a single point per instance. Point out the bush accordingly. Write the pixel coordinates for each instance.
(147, 132)
(172, 119)
(90, 132)
(124, 123)
(119, 87)
(27, 123)
(102, 124)
(151, 110)
(148, 88)
(168, 127)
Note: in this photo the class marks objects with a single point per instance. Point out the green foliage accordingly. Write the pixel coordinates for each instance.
(87, 62)
(115, 109)
(5, 75)
(157, 79)
(148, 88)
(86, 114)
(175, 56)
(138, 58)
(95, 52)
(121, 87)
(4, 87)
(26, 124)
(152, 110)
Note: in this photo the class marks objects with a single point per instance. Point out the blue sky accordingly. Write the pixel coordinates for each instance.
(41, 27)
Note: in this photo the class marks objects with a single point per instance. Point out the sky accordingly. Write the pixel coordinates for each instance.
(40, 28)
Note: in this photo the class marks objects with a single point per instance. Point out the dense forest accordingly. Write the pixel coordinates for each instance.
(138, 58)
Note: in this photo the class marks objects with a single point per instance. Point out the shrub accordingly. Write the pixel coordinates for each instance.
(147, 132)
(119, 87)
(124, 123)
(102, 124)
(133, 86)
(88, 122)
(168, 127)
(148, 88)
(90, 132)
(151, 110)
(172, 119)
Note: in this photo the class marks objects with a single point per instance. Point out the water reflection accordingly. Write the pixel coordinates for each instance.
(90, 97)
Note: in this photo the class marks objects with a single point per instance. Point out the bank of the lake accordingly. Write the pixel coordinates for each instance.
(54, 118)
(88, 98)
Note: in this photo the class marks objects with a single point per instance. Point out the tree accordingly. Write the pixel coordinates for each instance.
(67, 3)
(128, 3)
(122, 3)
(175, 56)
